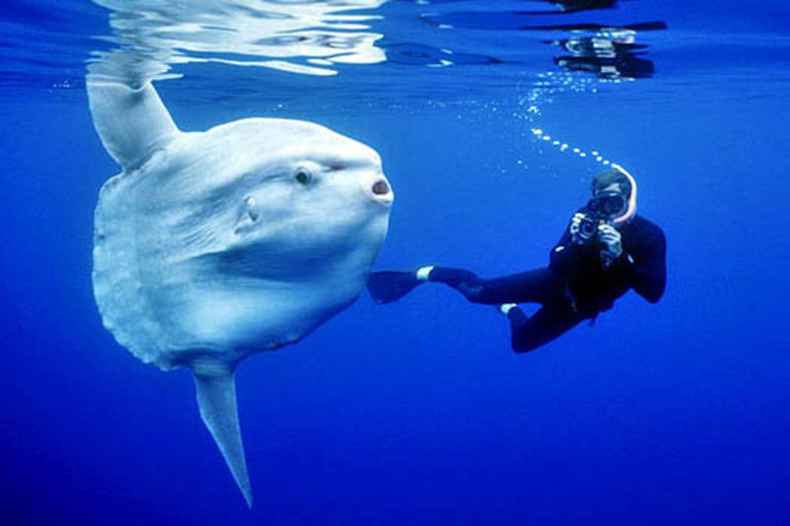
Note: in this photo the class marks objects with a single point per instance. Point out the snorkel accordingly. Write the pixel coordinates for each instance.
(631, 210)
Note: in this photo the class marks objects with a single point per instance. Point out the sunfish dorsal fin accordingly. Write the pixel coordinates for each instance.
(216, 397)
(132, 122)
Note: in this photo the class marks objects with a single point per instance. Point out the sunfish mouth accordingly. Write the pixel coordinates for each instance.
(381, 188)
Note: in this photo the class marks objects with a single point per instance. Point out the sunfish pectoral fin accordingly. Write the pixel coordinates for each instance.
(216, 396)
(132, 122)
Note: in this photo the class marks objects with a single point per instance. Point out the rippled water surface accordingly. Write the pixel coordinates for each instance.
(490, 118)
(389, 49)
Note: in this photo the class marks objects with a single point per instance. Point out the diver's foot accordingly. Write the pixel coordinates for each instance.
(505, 308)
(388, 285)
(515, 315)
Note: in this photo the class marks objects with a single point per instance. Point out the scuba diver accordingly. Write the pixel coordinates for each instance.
(606, 250)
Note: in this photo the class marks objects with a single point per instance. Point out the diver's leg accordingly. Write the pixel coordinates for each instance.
(389, 286)
(464, 281)
(548, 323)
(535, 286)
(540, 285)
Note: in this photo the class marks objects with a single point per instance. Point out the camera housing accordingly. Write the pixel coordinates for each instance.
(588, 228)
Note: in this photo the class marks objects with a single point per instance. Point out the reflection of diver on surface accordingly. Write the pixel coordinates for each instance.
(606, 251)
(609, 54)
(620, 67)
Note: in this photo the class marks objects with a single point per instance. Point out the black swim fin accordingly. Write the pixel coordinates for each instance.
(389, 286)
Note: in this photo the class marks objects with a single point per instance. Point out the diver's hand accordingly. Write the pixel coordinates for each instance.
(575, 228)
(612, 243)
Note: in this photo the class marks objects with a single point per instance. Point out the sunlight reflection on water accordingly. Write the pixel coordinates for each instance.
(297, 36)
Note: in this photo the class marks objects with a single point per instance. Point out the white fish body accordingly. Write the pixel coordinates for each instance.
(214, 245)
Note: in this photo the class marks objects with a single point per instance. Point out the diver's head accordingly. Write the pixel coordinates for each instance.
(611, 181)
(614, 195)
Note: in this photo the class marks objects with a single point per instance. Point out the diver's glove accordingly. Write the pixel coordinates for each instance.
(612, 243)
(575, 228)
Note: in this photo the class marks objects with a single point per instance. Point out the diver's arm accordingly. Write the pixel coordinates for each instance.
(649, 267)
(564, 255)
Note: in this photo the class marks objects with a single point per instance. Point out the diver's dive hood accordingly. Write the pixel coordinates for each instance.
(631, 211)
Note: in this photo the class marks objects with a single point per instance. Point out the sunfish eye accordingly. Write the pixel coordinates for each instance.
(303, 176)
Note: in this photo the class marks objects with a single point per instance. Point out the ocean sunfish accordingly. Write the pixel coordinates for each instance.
(211, 246)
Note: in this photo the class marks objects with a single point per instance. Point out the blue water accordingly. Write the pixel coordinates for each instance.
(418, 412)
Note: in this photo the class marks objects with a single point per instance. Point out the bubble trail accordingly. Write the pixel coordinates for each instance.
(583, 153)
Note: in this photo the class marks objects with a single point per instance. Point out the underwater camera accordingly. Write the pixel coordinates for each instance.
(588, 228)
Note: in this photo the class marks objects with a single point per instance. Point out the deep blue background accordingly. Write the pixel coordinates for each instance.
(417, 412)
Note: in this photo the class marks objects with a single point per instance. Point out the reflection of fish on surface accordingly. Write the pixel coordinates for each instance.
(301, 37)
(211, 246)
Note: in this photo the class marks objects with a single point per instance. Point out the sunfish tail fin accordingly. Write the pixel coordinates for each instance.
(389, 286)
(131, 122)
(216, 397)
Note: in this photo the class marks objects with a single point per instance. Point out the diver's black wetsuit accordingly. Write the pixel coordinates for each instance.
(574, 287)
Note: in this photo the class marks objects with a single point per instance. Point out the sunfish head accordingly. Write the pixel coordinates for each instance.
(301, 212)
(299, 201)
(252, 233)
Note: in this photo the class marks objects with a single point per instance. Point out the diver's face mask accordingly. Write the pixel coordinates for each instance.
(607, 206)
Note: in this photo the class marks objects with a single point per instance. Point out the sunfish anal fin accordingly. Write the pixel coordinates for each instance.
(216, 397)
